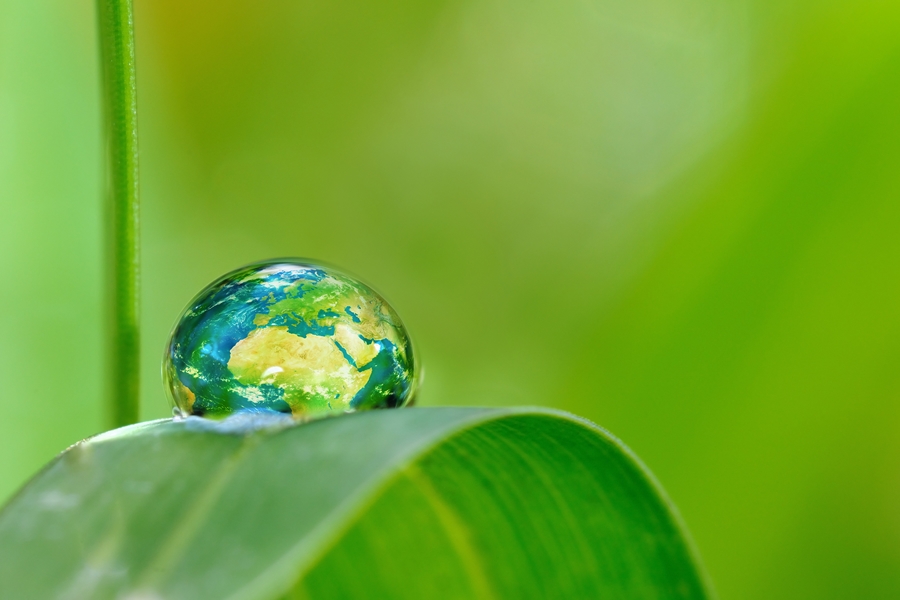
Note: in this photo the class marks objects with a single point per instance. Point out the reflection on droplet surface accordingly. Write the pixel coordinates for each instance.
(288, 337)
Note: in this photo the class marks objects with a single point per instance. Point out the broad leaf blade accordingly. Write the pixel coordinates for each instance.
(406, 503)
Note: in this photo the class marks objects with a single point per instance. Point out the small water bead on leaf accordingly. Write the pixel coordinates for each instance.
(288, 337)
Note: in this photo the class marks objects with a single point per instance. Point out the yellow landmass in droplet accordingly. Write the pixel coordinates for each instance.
(188, 397)
(376, 319)
(361, 352)
(310, 369)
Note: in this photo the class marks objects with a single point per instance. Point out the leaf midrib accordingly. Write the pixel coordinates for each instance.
(298, 560)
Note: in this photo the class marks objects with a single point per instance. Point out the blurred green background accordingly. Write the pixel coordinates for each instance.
(678, 219)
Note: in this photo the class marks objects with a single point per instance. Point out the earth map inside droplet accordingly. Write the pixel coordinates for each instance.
(289, 337)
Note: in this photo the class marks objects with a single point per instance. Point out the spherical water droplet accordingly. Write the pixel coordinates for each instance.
(290, 337)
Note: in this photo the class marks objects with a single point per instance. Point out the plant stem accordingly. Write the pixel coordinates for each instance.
(116, 25)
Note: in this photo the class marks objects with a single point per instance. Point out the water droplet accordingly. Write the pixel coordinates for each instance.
(278, 337)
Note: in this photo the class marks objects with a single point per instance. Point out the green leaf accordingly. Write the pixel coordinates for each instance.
(412, 503)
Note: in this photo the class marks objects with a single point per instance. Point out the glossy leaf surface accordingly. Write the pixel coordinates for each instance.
(413, 503)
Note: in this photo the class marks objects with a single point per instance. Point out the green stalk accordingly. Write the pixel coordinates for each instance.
(116, 25)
